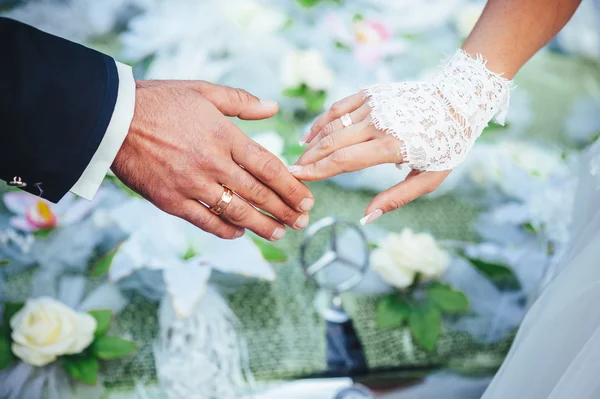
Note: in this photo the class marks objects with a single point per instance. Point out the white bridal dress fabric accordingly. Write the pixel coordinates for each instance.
(556, 353)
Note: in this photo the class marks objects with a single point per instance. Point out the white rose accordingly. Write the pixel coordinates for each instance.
(400, 257)
(46, 328)
(306, 67)
(467, 18)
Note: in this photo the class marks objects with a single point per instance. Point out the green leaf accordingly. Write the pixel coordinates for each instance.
(373, 246)
(299, 91)
(501, 276)
(448, 299)
(494, 130)
(7, 358)
(43, 234)
(529, 228)
(4, 262)
(392, 312)
(81, 367)
(409, 36)
(10, 309)
(425, 324)
(103, 318)
(293, 152)
(109, 348)
(315, 100)
(102, 266)
(341, 45)
(270, 252)
(308, 3)
(190, 253)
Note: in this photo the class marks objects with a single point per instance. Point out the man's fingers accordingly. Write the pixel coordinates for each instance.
(238, 102)
(242, 214)
(255, 192)
(338, 109)
(357, 116)
(354, 134)
(415, 185)
(350, 159)
(201, 217)
(269, 169)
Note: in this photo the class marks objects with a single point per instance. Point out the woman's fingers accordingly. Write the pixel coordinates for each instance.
(357, 116)
(415, 185)
(338, 109)
(354, 134)
(350, 159)
(269, 170)
(255, 192)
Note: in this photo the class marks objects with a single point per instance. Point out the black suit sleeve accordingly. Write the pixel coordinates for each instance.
(56, 101)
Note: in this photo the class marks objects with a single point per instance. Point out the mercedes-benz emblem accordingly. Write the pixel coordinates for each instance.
(333, 255)
(355, 392)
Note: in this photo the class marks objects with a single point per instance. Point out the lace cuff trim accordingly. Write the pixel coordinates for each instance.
(438, 121)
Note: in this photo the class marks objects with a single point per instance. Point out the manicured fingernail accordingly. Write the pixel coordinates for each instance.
(301, 222)
(278, 234)
(371, 217)
(294, 168)
(268, 103)
(239, 233)
(304, 138)
(306, 204)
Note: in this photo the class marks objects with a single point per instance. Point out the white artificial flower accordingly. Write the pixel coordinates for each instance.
(273, 142)
(582, 123)
(76, 20)
(185, 254)
(253, 16)
(581, 36)
(416, 16)
(174, 33)
(308, 67)
(46, 328)
(400, 257)
(515, 167)
(538, 161)
(467, 17)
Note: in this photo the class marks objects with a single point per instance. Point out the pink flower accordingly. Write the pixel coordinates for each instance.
(370, 40)
(34, 214)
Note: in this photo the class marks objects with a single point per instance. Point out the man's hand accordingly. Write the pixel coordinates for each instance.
(181, 148)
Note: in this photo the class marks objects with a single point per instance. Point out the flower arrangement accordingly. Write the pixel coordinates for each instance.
(43, 331)
(40, 217)
(413, 263)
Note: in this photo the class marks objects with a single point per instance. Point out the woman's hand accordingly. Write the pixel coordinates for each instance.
(334, 149)
(429, 125)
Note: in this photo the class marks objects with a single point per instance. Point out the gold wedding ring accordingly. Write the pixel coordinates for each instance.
(224, 202)
(346, 120)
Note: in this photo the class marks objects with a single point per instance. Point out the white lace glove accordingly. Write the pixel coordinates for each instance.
(428, 125)
(438, 121)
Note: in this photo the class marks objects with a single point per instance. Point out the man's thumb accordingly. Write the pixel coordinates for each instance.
(240, 103)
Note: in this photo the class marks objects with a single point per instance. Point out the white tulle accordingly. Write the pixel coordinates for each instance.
(556, 352)
(438, 121)
(202, 356)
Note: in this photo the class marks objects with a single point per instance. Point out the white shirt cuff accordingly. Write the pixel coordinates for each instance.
(92, 177)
